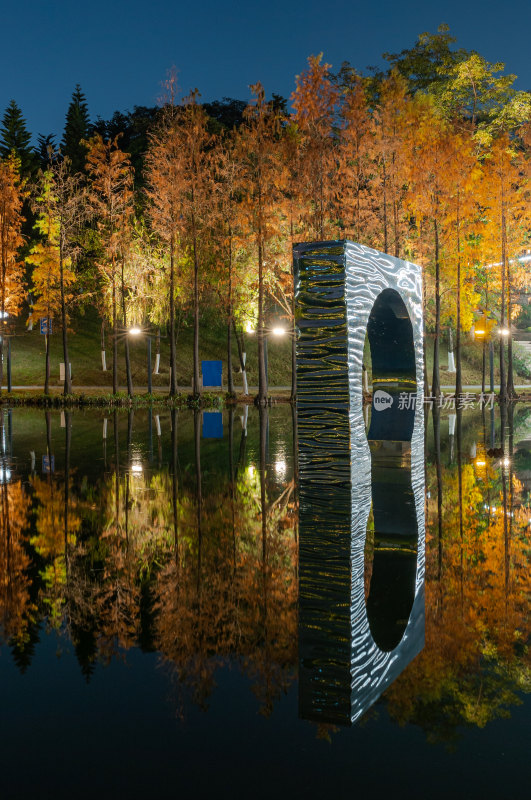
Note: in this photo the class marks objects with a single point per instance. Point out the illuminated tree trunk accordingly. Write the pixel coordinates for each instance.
(503, 386)
(47, 360)
(66, 358)
(435, 386)
(126, 339)
(196, 381)
(511, 391)
(458, 371)
(114, 336)
(173, 359)
(230, 379)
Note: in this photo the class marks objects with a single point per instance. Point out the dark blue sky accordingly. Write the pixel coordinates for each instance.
(120, 50)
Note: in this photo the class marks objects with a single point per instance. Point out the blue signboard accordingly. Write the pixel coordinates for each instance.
(211, 373)
(48, 464)
(212, 425)
(46, 325)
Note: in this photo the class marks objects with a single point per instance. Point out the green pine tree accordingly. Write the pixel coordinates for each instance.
(46, 150)
(15, 137)
(77, 126)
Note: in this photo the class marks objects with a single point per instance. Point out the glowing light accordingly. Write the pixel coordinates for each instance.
(136, 468)
(250, 470)
(504, 331)
(249, 328)
(280, 468)
(278, 331)
(480, 333)
(481, 463)
(506, 462)
(135, 331)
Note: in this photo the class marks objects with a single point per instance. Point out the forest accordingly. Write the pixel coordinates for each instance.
(160, 215)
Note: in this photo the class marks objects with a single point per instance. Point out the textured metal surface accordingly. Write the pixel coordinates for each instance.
(350, 649)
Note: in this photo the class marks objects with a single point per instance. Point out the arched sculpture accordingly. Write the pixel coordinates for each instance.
(352, 646)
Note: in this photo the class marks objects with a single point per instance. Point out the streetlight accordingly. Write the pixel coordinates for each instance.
(136, 331)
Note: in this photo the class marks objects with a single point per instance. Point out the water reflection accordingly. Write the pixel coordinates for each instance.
(361, 598)
(188, 547)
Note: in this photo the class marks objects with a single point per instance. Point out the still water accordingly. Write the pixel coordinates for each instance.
(152, 635)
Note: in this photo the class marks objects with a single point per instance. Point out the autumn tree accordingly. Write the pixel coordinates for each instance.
(259, 154)
(59, 205)
(429, 140)
(314, 103)
(164, 193)
(193, 140)
(111, 199)
(355, 155)
(504, 234)
(11, 241)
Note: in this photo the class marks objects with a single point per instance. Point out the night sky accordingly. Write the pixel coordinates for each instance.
(120, 50)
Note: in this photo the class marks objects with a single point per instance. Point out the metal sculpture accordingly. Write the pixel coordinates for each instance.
(351, 645)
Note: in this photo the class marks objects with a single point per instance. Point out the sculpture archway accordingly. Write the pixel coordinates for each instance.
(344, 290)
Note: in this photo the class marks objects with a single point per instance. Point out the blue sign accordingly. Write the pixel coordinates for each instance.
(48, 464)
(211, 371)
(46, 325)
(212, 425)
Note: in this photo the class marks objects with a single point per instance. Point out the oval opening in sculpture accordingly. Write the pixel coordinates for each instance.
(392, 536)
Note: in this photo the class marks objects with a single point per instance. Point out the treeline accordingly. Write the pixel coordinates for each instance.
(155, 215)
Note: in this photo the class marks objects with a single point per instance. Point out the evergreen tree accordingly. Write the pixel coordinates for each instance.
(77, 125)
(15, 137)
(46, 150)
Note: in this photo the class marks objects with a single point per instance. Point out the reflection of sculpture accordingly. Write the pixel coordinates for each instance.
(350, 649)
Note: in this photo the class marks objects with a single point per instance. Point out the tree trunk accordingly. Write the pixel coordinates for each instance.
(437, 440)
(503, 387)
(47, 360)
(103, 359)
(241, 355)
(68, 381)
(435, 386)
(126, 334)
(262, 376)
(230, 379)
(114, 337)
(384, 197)
(458, 371)
(196, 386)
(173, 359)
(511, 391)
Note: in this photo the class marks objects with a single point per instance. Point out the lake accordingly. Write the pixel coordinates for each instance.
(161, 595)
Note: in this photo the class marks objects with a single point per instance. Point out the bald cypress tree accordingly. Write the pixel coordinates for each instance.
(77, 125)
(15, 138)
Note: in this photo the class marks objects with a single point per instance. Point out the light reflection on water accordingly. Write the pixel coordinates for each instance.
(108, 550)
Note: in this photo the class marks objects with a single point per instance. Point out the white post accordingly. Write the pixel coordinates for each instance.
(105, 427)
(451, 362)
(451, 424)
(157, 364)
(103, 361)
(157, 423)
(63, 423)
